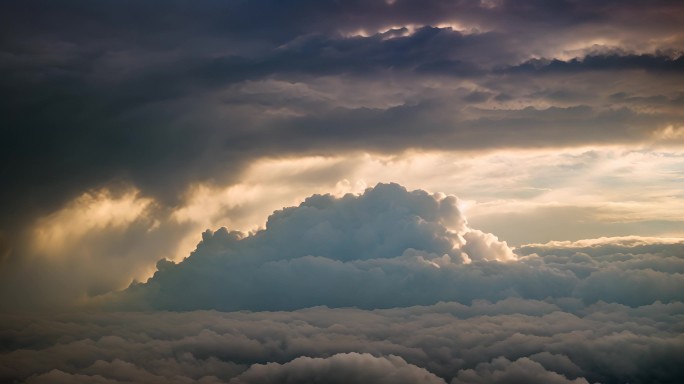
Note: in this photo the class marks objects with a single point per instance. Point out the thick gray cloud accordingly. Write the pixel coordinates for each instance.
(154, 94)
(392, 248)
(511, 340)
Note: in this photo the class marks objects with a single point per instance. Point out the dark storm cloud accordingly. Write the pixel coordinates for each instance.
(514, 340)
(428, 125)
(266, 18)
(393, 248)
(607, 62)
(149, 93)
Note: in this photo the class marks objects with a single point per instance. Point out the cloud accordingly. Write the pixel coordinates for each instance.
(523, 370)
(389, 247)
(177, 102)
(98, 243)
(605, 245)
(607, 62)
(340, 368)
(557, 313)
(485, 246)
(542, 222)
(308, 254)
(89, 212)
(163, 100)
(130, 245)
(512, 339)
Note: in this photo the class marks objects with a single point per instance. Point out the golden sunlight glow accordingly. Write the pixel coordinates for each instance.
(609, 184)
(456, 26)
(268, 185)
(591, 43)
(669, 133)
(616, 183)
(90, 211)
(358, 33)
(410, 29)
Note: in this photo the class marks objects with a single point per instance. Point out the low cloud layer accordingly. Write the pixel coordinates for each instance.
(513, 340)
(340, 368)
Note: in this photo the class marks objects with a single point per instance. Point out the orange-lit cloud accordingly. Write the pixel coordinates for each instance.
(92, 211)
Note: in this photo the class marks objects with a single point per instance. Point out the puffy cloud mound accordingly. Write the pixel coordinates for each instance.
(340, 368)
(523, 370)
(387, 247)
(393, 248)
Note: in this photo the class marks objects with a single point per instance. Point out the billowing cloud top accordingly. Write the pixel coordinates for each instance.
(393, 248)
(349, 251)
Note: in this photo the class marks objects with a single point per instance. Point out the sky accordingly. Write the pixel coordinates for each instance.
(447, 191)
